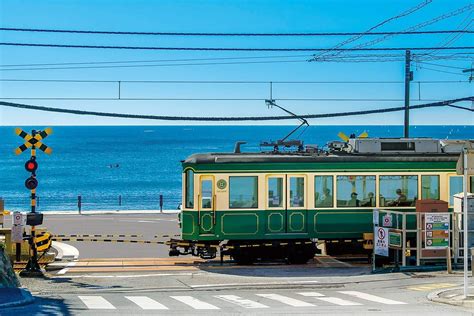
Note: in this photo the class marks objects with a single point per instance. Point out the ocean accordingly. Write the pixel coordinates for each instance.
(129, 167)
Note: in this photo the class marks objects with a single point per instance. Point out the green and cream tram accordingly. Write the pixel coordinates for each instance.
(288, 200)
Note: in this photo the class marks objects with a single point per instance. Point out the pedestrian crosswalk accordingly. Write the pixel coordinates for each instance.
(250, 301)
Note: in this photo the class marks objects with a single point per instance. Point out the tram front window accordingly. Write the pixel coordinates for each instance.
(243, 192)
(398, 190)
(355, 191)
(189, 180)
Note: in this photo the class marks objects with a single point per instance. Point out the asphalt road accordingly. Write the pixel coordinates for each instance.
(147, 225)
(192, 294)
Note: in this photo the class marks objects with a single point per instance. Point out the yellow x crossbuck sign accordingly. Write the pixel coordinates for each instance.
(33, 140)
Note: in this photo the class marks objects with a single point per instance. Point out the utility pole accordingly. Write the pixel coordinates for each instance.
(408, 78)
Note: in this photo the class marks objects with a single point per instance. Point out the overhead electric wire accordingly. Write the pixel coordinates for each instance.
(154, 60)
(241, 118)
(225, 81)
(461, 10)
(442, 71)
(161, 65)
(214, 99)
(247, 49)
(358, 36)
(226, 58)
(439, 65)
(223, 34)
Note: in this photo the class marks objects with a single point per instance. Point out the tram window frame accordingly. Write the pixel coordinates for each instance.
(189, 189)
(289, 198)
(255, 190)
(438, 188)
(281, 203)
(345, 201)
(410, 199)
(317, 193)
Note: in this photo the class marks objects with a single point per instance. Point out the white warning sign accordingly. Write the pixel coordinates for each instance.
(381, 241)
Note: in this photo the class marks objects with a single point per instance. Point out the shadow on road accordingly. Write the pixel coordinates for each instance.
(41, 306)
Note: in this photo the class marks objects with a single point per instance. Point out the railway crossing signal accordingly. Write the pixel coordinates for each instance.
(33, 141)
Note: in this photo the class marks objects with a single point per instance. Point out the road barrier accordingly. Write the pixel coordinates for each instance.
(98, 235)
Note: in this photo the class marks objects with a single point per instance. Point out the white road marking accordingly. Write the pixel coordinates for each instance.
(145, 302)
(286, 300)
(66, 269)
(127, 275)
(338, 301)
(241, 301)
(373, 298)
(96, 302)
(311, 294)
(194, 302)
(333, 300)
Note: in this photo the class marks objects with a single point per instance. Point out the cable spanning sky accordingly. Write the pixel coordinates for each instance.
(233, 83)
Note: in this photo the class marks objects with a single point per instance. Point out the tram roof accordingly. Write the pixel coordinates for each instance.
(218, 158)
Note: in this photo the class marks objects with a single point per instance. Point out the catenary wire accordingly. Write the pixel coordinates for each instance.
(244, 118)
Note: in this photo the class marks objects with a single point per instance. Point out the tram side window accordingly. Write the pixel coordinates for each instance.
(323, 191)
(355, 191)
(398, 190)
(189, 187)
(275, 192)
(243, 192)
(472, 184)
(296, 191)
(455, 186)
(430, 187)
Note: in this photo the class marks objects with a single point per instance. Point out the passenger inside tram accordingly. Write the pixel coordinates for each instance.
(353, 201)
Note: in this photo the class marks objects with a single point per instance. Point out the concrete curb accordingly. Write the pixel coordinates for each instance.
(65, 251)
(27, 298)
(435, 297)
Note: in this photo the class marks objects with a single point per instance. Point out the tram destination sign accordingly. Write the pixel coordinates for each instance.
(436, 230)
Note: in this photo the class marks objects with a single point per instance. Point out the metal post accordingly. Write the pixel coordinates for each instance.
(161, 203)
(408, 78)
(120, 200)
(418, 239)
(404, 242)
(79, 203)
(465, 221)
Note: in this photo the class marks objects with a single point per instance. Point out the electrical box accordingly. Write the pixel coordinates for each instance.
(458, 209)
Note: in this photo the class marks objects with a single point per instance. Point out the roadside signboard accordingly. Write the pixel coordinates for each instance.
(387, 220)
(17, 233)
(17, 218)
(381, 241)
(395, 239)
(436, 231)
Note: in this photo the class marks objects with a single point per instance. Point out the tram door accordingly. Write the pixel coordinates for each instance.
(206, 206)
(296, 213)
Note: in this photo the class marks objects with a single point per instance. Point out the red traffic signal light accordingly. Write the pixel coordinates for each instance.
(31, 183)
(31, 165)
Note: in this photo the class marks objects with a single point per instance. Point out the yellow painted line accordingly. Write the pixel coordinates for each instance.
(431, 287)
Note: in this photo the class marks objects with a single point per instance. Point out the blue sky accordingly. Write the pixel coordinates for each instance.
(222, 16)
